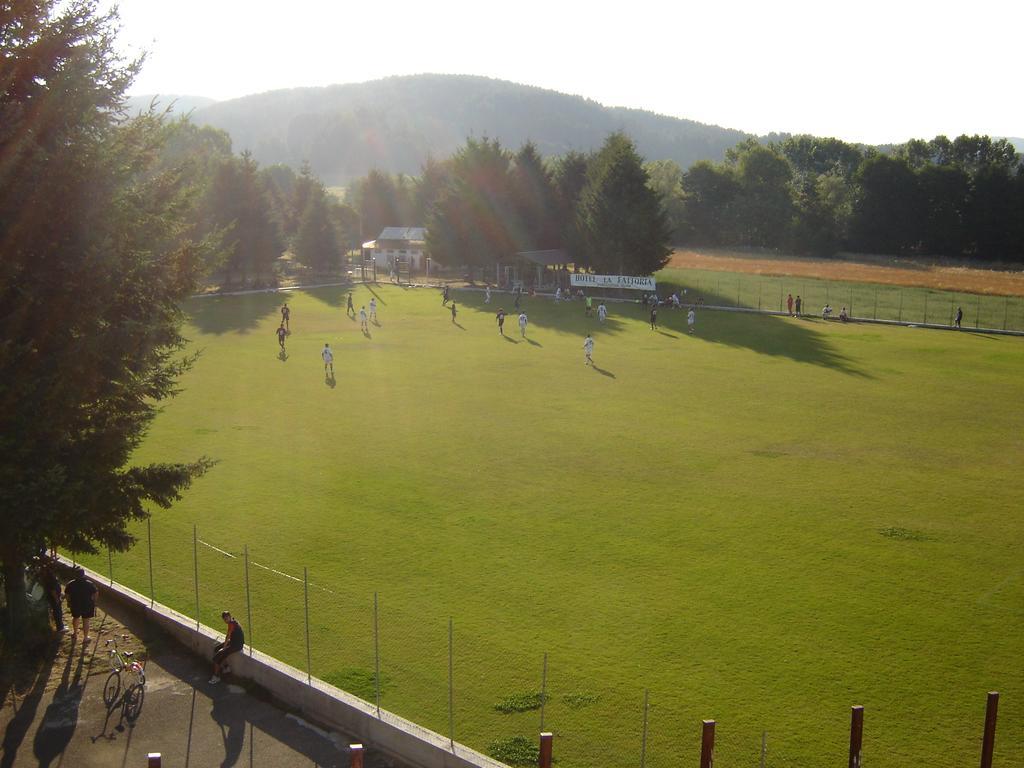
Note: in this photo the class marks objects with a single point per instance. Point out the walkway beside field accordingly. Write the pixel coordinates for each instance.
(58, 717)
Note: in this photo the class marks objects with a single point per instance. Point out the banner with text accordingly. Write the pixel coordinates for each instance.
(614, 281)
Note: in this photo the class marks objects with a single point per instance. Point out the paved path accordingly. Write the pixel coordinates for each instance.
(56, 716)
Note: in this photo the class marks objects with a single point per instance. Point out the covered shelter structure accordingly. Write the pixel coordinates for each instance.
(539, 270)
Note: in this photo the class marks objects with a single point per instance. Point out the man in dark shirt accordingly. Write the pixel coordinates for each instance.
(234, 640)
(501, 321)
(51, 584)
(81, 596)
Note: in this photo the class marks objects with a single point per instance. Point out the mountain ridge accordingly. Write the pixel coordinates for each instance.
(396, 123)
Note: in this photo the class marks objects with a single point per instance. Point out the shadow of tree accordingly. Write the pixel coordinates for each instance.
(232, 314)
(761, 333)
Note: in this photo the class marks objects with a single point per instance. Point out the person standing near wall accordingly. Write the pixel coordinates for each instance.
(81, 596)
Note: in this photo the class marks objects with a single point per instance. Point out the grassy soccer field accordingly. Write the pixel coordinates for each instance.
(764, 523)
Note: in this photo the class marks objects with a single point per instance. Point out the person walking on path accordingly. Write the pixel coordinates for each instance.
(522, 324)
(286, 317)
(328, 357)
(588, 350)
(81, 596)
(959, 316)
(350, 309)
(51, 584)
(799, 306)
(234, 641)
(500, 317)
(282, 334)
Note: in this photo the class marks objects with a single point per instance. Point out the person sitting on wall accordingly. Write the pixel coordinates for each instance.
(843, 315)
(234, 640)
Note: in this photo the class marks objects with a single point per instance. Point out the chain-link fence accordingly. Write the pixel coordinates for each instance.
(471, 684)
(862, 300)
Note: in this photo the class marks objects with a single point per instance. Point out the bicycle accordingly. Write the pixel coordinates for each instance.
(122, 661)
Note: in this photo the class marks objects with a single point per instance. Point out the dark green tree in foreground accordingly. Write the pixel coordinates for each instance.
(94, 268)
(316, 243)
(623, 219)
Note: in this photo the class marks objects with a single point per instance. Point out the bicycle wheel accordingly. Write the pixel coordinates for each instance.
(140, 672)
(133, 699)
(112, 689)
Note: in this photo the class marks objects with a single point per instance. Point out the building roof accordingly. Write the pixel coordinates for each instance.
(403, 233)
(545, 258)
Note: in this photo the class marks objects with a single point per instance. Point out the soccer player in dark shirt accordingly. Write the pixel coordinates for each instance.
(501, 321)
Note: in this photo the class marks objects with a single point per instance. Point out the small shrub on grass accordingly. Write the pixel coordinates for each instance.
(579, 699)
(903, 534)
(521, 702)
(358, 682)
(518, 750)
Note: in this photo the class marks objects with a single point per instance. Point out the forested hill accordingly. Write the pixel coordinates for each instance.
(344, 131)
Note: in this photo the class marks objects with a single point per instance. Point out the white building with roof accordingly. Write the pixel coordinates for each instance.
(398, 244)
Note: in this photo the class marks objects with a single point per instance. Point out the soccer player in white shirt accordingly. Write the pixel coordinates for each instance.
(602, 311)
(362, 319)
(691, 318)
(373, 309)
(588, 350)
(522, 324)
(328, 357)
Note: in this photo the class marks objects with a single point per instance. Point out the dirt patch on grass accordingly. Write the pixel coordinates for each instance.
(996, 281)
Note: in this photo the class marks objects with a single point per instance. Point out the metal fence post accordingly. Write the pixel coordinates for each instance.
(195, 563)
(977, 312)
(376, 653)
(248, 599)
(643, 736)
(110, 567)
(149, 546)
(1006, 308)
(739, 282)
(901, 306)
(543, 690)
(856, 735)
(989, 742)
(707, 744)
(545, 750)
(926, 307)
(780, 297)
(451, 696)
(851, 301)
(952, 301)
(760, 290)
(874, 316)
(305, 591)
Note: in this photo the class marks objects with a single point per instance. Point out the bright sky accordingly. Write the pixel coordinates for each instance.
(872, 71)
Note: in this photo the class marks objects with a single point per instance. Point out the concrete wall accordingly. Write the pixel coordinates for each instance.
(319, 702)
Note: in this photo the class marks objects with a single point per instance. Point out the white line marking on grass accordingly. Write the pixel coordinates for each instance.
(216, 549)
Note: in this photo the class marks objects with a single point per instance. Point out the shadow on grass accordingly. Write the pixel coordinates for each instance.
(330, 381)
(533, 343)
(332, 296)
(282, 356)
(232, 314)
(603, 371)
(509, 338)
(458, 325)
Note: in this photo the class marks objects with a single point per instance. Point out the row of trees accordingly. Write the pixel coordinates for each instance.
(251, 215)
(960, 198)
(485, 203)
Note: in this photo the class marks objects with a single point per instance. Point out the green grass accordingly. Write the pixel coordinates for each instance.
(763, 524)
(865, 300)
